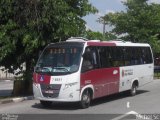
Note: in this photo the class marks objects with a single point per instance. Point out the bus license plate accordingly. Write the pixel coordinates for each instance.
(49, 91)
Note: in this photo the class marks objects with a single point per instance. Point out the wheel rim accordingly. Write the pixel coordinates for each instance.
(134, 88)
(86, 99)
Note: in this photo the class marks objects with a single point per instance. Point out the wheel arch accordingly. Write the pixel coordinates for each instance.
(135, 81)
(90, 88)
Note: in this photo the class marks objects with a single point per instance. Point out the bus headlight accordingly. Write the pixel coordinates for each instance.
(68, 85)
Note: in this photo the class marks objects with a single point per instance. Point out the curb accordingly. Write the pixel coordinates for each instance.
(16, 100)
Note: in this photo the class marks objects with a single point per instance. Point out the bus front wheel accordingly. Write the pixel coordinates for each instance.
(85, 99)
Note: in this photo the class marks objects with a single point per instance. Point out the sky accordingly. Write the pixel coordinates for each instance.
(104, 7)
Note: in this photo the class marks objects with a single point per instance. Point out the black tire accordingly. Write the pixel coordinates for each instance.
(133, 90)
(85, 99)
(46, 103)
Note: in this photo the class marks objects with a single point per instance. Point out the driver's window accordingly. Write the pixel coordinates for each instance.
(89, 59)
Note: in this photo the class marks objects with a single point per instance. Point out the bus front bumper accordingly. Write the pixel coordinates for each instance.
(64, 96)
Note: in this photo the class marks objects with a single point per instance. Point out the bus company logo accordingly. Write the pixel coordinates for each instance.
(127, 72)
(42, 78)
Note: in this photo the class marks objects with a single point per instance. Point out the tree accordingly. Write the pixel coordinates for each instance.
(140, 22)
(110, 36)
(26, 26)
(104, 21)
(91, 35)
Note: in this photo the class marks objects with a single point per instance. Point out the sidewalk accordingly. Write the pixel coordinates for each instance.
(15, 99)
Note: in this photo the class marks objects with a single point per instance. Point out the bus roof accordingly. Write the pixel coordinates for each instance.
(117, 42)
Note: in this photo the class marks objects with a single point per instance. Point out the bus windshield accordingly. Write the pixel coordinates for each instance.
(59, 60)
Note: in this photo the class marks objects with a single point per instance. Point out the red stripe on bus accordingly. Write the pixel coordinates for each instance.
(105, 81)
(101, 44)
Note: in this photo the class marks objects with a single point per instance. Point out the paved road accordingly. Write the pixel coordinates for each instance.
(6, 87)
(147, 101)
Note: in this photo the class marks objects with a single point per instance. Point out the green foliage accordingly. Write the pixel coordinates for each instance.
(110, 36)
(26, 26)
(94, 35)
(140, 22)
(91, 35)
(155, 43)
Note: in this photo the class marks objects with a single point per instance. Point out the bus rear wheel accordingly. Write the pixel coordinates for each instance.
(45, 103)
(133, 90)
(86, 99)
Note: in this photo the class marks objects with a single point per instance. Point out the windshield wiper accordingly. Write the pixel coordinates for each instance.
(44, 73)
(62, 68)
(43, 70)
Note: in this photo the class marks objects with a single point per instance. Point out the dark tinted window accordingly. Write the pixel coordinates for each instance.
(117, 56)
(147, 55)
(105, 56)
(90, 59)
(124, 56)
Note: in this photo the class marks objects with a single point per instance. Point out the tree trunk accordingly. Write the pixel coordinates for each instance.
(28, 78)
(23, 85)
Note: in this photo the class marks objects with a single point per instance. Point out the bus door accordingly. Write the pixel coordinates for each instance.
(104, 80)
(110, 62)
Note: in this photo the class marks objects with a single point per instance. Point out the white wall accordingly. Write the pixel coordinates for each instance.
(4, 73)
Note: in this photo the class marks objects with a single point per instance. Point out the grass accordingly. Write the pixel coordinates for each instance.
(4, 97)
(157, 75)
(7, 97)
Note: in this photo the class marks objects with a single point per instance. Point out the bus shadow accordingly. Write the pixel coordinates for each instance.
(58, 106)
(98, 101)
(115, 97)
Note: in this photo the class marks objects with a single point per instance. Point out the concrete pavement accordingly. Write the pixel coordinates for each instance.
(15, 99)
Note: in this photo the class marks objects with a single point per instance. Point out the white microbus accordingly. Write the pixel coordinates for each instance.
(79, 70)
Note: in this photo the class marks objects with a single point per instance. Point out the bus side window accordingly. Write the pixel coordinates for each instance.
(87, 60)
(134, 56)
(148, 55)
(127, 51)
(90, 59)
(117, 56)
(105, 57)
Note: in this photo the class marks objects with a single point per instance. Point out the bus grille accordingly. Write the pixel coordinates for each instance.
(51, 91)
